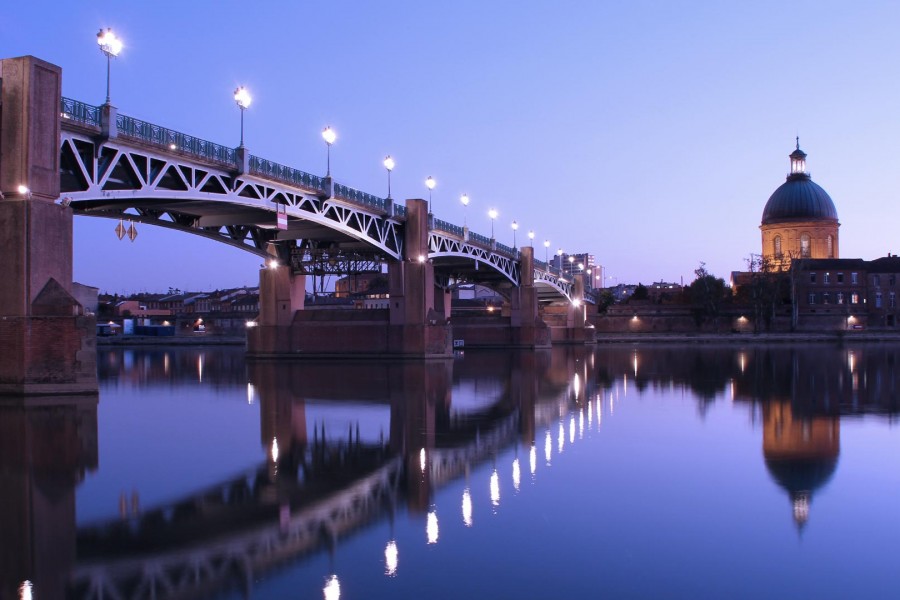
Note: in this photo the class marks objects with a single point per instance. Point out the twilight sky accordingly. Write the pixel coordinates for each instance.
(649, 133)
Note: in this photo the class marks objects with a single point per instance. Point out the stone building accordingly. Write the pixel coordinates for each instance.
(799, 220)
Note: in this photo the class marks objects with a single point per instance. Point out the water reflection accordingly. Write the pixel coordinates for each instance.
(320, 481)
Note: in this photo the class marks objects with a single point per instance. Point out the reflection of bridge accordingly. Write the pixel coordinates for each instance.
(314, 493)
(107, 164)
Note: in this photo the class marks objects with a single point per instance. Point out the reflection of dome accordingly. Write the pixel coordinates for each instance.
(801, 475)
(799, 199)
(800, 478)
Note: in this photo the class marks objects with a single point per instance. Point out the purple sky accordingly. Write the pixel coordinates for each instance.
(650, 134)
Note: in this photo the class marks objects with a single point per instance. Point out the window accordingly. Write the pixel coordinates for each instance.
(826, 298)
(840, 278)
(877, 299)
(830, 246)
(854, 278)
(840, 297)
(812, 277)
(854, 298)
(804, 245)
(812, 298)
(826, 278)
(777, 243)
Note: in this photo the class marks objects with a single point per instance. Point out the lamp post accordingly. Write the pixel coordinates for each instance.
(110, 45)
(559, 253)
(329, 136)
(389, 165)
(492, 213)
(571, 265)
(243, 100)
(531, 237)
(546, 251)
(515, 227)
(430, 183)
(465, 202)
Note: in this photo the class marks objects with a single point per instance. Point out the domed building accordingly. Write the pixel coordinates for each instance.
(799, 220)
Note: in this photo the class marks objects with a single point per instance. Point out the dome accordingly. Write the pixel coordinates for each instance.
(799, 199)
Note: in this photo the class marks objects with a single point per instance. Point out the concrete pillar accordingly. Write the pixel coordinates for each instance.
(281, 294)
(46, 344)
(529, 330)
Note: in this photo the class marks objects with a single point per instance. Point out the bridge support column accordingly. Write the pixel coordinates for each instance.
(576, 331)
(417, 328)
(528, 329)
(47, 345)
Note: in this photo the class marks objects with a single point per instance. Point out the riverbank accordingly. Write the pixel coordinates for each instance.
(748, 338)
(152, 340)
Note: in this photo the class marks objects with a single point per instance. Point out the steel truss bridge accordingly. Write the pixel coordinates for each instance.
(120, 167)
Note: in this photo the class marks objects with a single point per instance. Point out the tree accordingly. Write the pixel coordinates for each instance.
(641, 292)
(707, 292)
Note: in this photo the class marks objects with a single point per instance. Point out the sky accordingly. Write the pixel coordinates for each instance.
(647, 133)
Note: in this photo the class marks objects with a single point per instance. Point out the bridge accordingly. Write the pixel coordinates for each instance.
(67, 157)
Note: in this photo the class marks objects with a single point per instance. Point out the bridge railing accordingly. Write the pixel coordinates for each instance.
(504, 249)
(273, 170)
(348, 193)
(399, 210)
(478, 238)
(448, 227)
(174, 140)
(80, 112)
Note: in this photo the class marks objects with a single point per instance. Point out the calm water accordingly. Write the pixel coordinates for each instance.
(648, 472)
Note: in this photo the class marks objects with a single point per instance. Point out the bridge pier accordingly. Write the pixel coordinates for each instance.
(47, 344)
(413, 327)
(576, 330)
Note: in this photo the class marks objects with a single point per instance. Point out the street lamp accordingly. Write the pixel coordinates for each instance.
(531, 237)
(243, 100)
(110, 45)
(465, 202)
(559, 253)
(430, 183)
(546, 250)
(515, 227)
(329, 136)
(389, 165)
(492, 213)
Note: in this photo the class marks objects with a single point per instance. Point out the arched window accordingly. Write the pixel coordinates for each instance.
(830, 246)
(804, 246)
(777, 244)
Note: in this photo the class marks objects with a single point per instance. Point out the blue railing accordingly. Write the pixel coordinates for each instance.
(174, 140)
(540, 264)
(79, 111)
(449, 228)
(348, 193)
(273, 170)
(506, 249)
(481, 239)
(399, 210)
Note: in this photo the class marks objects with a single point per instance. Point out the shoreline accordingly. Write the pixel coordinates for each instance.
(602, 339)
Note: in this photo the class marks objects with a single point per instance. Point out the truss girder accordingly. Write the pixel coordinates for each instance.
(112, 177)
(441, 245)
(554, 283)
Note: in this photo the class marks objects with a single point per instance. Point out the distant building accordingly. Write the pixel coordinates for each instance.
(799, 220)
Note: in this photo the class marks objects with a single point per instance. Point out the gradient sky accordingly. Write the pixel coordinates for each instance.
(649, 133)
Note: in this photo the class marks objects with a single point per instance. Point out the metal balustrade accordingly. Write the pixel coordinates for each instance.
(272, 170)
(80, 112)
(174, 140)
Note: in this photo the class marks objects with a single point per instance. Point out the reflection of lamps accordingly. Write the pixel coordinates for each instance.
(332, 589)
(390, 558)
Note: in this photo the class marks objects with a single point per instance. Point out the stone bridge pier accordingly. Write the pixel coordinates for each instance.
(415, 325)
(47, 343)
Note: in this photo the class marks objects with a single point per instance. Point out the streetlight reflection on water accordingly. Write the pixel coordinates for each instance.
(467, 507)
(390, 558)
(431, 527)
